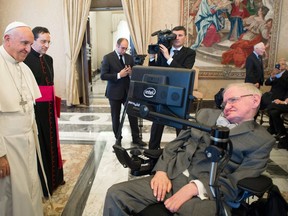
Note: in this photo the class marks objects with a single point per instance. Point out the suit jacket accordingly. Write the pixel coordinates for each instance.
(251, 148)
(279, 86)
(116, 89)
(185, 58)
(254, 69)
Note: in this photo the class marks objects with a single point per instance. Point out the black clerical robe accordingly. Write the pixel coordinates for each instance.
(47, 122)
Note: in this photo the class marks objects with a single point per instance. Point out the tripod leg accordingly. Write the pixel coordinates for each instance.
(140, 125)
(119, 132)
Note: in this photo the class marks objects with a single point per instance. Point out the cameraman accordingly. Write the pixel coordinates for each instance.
(177, 56)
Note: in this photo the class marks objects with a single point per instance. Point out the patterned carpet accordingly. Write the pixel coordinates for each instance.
(75, 157)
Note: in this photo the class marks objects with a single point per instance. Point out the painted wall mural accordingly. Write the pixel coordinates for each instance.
(223, 33)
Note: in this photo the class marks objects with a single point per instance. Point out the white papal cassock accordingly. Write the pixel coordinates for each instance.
(20, 193)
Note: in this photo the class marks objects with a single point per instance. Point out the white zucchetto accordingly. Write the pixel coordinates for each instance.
(14, 25)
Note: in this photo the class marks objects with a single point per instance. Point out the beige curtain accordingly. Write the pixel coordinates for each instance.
(75, 20)
(138, 14)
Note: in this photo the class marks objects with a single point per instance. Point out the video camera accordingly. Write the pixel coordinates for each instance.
(164, 37)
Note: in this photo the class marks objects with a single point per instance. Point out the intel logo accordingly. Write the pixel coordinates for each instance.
(149, 92)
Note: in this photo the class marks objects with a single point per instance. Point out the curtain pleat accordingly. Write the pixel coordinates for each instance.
(138, 14)
(75, 20)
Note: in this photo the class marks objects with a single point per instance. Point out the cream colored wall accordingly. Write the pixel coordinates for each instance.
(93, 40)
(165, 15)
(104, 34)
(40, 13)
(283, 32)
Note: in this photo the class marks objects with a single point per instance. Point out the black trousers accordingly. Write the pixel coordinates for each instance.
(115, 106)
(275, 120)
(156, 135)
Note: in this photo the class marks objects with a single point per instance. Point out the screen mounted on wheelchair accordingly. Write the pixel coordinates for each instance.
(160, 90)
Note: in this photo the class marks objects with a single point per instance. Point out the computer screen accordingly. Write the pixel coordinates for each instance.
(160, 90)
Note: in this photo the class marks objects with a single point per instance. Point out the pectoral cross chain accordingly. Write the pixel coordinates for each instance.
(23, 103)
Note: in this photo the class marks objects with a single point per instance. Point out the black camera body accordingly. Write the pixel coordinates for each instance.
(139, 59)
(165, 37)
(277, 66)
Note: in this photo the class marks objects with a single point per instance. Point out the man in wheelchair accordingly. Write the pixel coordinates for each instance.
(181, 175)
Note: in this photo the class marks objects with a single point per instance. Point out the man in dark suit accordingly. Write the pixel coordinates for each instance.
(177, 56)
(254, 66)
(116, 69)
(182, 174)
(277, 105)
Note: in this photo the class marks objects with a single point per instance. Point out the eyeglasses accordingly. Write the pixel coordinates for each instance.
(233, 100)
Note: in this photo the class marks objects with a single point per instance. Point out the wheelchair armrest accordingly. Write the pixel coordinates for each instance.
(138, 164)
(256, 185)
(153, 153)
(125, 159)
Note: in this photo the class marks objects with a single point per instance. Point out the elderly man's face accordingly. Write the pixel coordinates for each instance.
(283, 65)
(18, 43)
(260, 50)
(239, 105)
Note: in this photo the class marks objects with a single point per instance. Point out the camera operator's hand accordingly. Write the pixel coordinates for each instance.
(164, 51)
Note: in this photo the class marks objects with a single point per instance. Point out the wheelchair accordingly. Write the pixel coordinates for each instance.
(141, 162)
(169, 111)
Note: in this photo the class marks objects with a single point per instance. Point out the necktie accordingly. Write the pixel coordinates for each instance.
(121, 61)
(175, 52)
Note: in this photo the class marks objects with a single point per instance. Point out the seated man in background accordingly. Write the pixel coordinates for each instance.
(182, 173)
(275, 101)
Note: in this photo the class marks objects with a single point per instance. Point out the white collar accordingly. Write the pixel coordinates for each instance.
(179, 48)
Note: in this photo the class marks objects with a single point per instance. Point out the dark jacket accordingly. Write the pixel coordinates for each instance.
(254, 69)
(185, 58)
(279, 86)
(116, 89)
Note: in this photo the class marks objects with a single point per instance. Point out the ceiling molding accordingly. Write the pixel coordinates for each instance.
(107, 9)
(99, 5)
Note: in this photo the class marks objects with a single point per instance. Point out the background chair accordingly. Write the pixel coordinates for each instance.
(285, 118)
(196, 93)
(263, 115)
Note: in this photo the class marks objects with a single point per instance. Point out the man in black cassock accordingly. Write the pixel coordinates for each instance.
(41, 65)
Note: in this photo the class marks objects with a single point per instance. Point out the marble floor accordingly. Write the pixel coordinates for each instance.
(86, 130)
